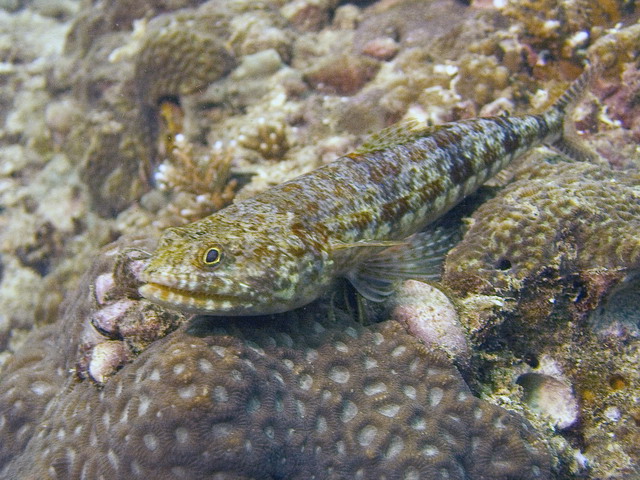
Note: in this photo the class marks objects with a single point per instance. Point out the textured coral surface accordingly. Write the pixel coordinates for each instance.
(304, 395)
(548, 271)
(560, 218)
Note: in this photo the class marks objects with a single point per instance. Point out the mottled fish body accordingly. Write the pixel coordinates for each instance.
(355, 217)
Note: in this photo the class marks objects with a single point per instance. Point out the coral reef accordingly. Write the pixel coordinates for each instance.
(563, 29)
(43, 210)
(307, 15)
(563, 231)
(186, 49)
(252, 94)
(558, 221)
(547, 271)
(116, 327)
(312, 394)
(110, 165)
(198, 182)
(122, 78)
(342, 74)
(621, 100)
(269, 139)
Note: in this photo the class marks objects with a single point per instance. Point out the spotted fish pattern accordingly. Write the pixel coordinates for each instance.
(351, 218)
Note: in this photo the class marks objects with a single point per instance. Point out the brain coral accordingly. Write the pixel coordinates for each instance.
(564, 234)
(180, 54)
(312, 395)
(568, 212)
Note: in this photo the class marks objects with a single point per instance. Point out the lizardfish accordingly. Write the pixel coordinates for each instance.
(357, 217)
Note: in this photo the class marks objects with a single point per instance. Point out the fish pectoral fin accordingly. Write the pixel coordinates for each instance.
(418, 257)
(372, 288)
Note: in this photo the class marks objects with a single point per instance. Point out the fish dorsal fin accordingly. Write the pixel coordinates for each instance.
(367, 244)
(396, 134)
(419, 257)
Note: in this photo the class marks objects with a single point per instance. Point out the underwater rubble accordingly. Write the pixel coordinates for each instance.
(122, 118)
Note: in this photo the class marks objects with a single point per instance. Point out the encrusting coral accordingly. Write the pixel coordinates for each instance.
(186, 49)
(548, 271)
(558, 220)
(559, 239)
(311, 395)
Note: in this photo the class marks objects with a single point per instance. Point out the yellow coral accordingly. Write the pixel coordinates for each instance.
(269, 139)
(201, 183)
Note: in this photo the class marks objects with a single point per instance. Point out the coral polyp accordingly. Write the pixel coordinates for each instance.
(267, 138)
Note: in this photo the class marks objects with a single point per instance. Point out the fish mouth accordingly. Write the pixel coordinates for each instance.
(188, 300)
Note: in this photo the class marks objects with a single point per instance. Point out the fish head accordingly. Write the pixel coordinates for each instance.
(228, 266)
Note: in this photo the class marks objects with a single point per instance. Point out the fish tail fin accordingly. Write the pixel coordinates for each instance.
(570, 143)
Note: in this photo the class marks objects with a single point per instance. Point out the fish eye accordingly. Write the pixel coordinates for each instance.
(212, 256)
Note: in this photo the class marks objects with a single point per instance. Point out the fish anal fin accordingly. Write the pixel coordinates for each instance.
(371, 288)
(573, 147)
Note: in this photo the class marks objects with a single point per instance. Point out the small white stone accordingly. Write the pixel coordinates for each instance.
(220, 394)
(367, 435)
(390, 410)
(349, 411)
(187, 392)
(339, 374)
(578, 38)
(205, 366)
(435, 396)
(395, 447)
(108, 318)
(143, 407)
(103, 284)
(613, 413)
(150, 441)
(430, 316)
(551, 25)
(106, 358)
(375, 388)
(550, 397)
(39, 387)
